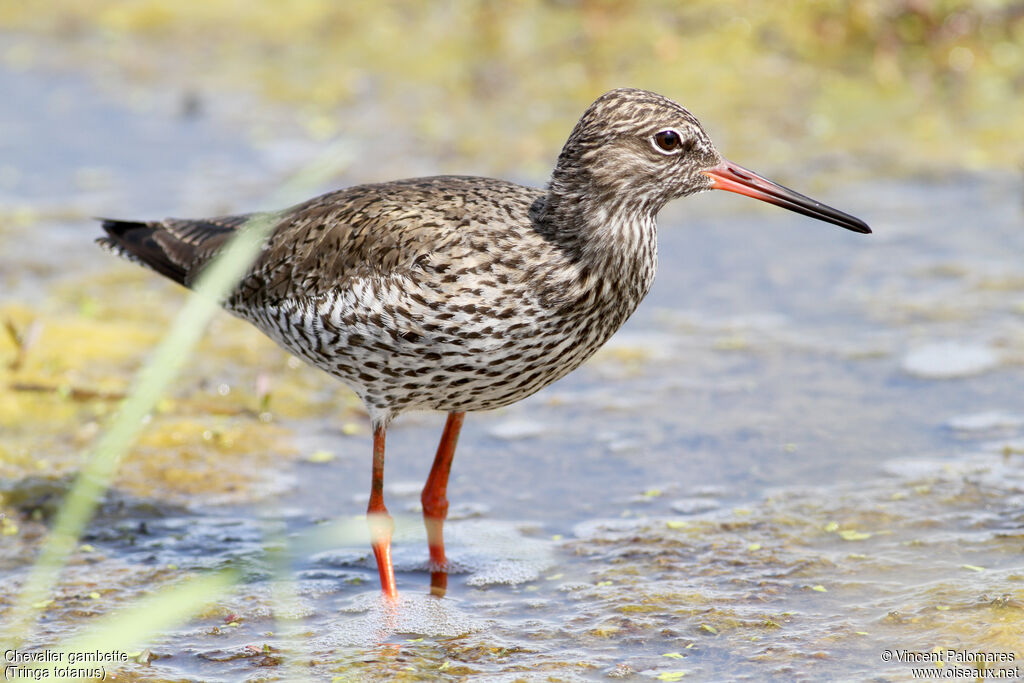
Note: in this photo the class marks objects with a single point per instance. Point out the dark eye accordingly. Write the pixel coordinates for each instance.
(668, 141)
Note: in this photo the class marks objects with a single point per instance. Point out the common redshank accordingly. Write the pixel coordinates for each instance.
(458, 294)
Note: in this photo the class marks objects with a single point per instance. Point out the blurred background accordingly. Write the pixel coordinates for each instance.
(882, 85)
(804, 447)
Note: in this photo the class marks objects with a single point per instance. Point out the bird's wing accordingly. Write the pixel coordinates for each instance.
(358, 232)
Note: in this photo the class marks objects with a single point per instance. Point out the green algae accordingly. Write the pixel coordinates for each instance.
(736, 595)
(202, 442)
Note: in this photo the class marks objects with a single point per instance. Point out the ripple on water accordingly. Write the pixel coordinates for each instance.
(490, 552)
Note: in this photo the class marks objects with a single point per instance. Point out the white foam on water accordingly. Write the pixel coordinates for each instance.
(693, 506)
(500, 552)
(371, 618)
(986, 422)
(949, 360)
(512, 430)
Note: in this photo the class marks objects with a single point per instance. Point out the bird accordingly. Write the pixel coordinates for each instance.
(460, 294)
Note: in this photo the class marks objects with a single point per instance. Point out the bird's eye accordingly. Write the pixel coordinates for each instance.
(668, 141)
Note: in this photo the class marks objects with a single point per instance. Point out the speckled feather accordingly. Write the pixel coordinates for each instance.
(457, 293)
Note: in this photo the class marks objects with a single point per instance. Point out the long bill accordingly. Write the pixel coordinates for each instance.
(734, 178)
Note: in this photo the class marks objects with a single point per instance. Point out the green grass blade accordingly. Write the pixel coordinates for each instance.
(165, 363)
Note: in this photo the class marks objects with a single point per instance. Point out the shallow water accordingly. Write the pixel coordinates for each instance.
(803, 451)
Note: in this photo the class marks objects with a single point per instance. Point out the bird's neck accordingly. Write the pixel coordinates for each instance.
(611, 239)
(595, 223)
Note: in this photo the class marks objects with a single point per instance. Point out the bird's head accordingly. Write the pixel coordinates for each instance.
(638, 150)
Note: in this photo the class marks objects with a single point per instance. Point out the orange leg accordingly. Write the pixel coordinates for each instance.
(435, 502)
(380, 522)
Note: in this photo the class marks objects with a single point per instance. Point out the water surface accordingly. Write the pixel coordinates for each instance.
(803, 450)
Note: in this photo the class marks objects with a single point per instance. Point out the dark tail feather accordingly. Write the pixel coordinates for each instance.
(138, 242)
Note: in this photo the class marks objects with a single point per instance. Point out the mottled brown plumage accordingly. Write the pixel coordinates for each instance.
(457, 293)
